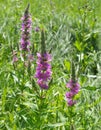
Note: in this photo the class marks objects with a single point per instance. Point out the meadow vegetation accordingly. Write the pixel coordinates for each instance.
(72, 30)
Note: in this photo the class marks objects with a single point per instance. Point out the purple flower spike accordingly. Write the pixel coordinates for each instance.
(26, 28)
(43, 70)
(74, 89)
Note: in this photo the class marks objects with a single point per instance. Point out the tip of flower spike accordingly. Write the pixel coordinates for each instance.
(26, 10)
(43, 47)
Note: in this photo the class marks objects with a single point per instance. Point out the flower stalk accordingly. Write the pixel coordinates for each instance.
(26, 28)
(43, 69)
(74, 88)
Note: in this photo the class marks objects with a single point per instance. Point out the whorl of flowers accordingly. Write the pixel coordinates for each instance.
(26, 27)
(74, 88)
(43, 69)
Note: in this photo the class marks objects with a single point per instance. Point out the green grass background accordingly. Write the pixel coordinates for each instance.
(67, 23)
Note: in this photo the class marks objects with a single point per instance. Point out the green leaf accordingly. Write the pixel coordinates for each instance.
(78, 45)
(56, 125)
(67, 64)
(91, 88)
(30, 105)
(4, 98)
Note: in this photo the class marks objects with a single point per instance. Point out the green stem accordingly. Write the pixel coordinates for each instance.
(43, 48)
(73, 71)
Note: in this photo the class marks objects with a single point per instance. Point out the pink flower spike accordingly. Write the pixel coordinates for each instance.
(74, 88)
(43, 70)
(26, 28)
